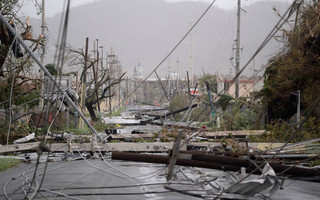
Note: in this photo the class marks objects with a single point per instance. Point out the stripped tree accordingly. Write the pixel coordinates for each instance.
(14, 65)
(18, 89)
(98, 85)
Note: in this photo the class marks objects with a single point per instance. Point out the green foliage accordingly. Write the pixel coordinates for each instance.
(230, 142)
(6, 163)
(8, 6)
(315, 163)
(101, 127)
(51, 68)
(280, 131)
(211, 79)
(237, 118)
(200, 113)
(79, 131)
(240, 116)
(167, 134)
(179, 101)
(29, 99)
(141, 140)
(284, 76)
(117, 112)
(296, 68)
(224, 101)
(14, 134)
(98, 126)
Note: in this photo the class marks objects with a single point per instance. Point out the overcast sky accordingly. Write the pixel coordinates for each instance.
(55, 6)
(215, 53)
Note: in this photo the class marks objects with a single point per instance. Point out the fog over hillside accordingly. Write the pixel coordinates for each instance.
(145, 31)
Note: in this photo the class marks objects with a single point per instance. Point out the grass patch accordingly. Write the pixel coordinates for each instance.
(117, 112)
(79, 131)
(6, 163)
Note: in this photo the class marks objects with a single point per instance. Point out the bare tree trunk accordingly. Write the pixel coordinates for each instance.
(89, 106)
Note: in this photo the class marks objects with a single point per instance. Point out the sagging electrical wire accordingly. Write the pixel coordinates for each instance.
(10, 107)
(277, 27)
(11, 89)
(45, 139)
(33, 171)
(110, 173)
(267, 39)
(173, 49)
(74, 181)
(282, 147)
(60, 61)
(137, 178)
(48, 131)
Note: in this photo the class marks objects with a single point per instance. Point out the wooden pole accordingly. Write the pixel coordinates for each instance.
(174, 156)
(84, 79)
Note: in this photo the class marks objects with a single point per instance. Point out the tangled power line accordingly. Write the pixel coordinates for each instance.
(35, 187)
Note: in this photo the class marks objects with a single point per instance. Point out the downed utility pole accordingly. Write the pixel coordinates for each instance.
(163, 89)
(174, 156)
(171, 113)
(216, 162)
(67, 97)
(166, 160)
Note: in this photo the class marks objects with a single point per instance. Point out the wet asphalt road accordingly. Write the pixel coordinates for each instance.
(92, 179)
(99, 179)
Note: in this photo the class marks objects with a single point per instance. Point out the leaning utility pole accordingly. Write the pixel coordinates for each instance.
(238, 49)
(43, 25)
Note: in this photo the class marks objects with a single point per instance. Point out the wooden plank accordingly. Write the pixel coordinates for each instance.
(138, 147)
(18, 147)
(259, 146)
(233, 133)
(174, 156)
(60, 147)
(132, 136)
